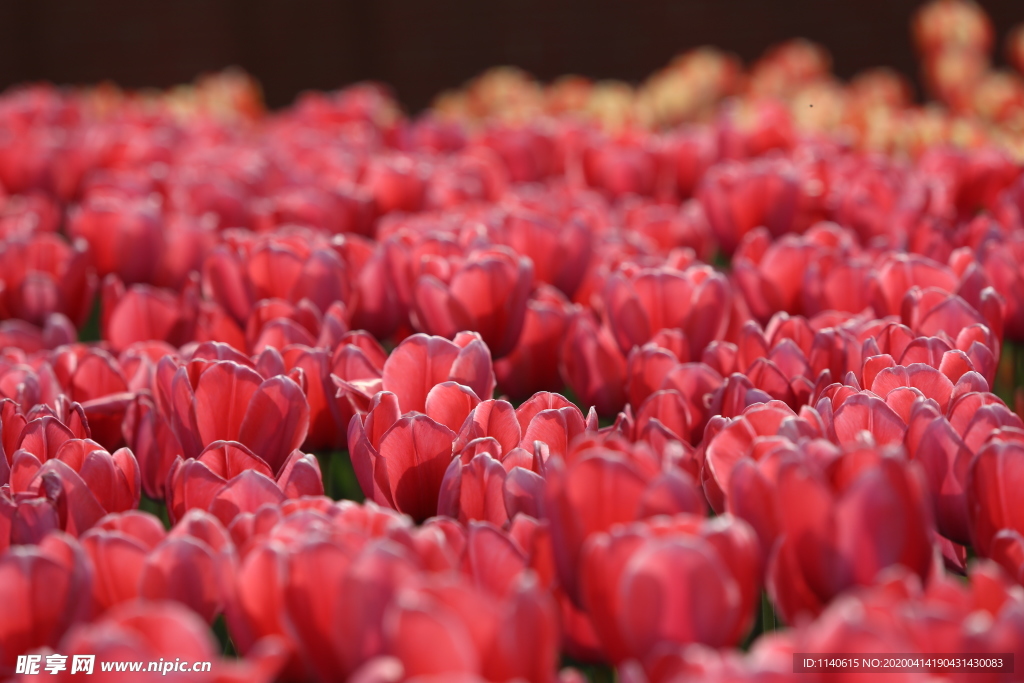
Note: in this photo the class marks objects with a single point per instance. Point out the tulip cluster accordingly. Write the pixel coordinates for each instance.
(383, 399)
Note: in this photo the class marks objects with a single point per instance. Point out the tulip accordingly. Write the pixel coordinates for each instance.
(288, 266)
(397, 183)
(278, 587)
(694, 301)
(118, 546)
(82, 480)
(46, 589)
(94, 379)
(625, 166)
(593, 366)
(142, 313)
(487, 293)
(43, 274)
(828, 542)
(738, 197)
(560, 252)
(639, 583)
(22, 215)
(432, 630)
(399, 461)
(189, 565)
(990, 478)
(576, 511)
(227, 479)
(224, 400)
(527, 151)
(532, 365)
(25, 518)
(165, 631)
(109, 226)
(766, 271)
(155, 444)
(750, 436)
(1001, 263)
(421, 362)
(338, 385)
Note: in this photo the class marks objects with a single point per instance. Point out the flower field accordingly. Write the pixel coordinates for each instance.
(668, 382)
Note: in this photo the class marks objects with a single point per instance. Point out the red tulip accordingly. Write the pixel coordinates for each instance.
(874, 197)
(576, 510)
(449, 628)
(738, 197)
(694, 301)
(142, 313)
(560, 251)
(93, 378)
(338, 385)
(400, 461)
(43, 274)
(692, 152)
(25, 518)
(527, 151)
(45, 588)
(765, 271)
(291, 266)
(897, 273)
(223, 400)
(639, 583)
(165, 631)
(110, 225)
(397, 183)
(117, 547)
(466, 178)
(532, 365)
(487, 293)
(149, 435)
(593, 366)
(931, 312)
(487, 480)
(1002, 265)
(626, 166)
(990, 481)
(755, 434)
(421, 362)
(189, 566)
(82, 480)
(831, 534)
(335, 636)
(279, 585)
(22, 215)
(331, 210)
(970, 182)
(227, 479)
(647, 368)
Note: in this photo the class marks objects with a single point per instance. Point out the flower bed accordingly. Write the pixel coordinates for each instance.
(679, 381)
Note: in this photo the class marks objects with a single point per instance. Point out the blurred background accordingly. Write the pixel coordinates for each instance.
(421, 48)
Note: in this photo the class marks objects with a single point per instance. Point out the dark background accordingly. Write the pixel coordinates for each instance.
(423, 46)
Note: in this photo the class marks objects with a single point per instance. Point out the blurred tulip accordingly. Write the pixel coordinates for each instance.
(43, 274)
(47, 589)
(125, 237)
(828, 540)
